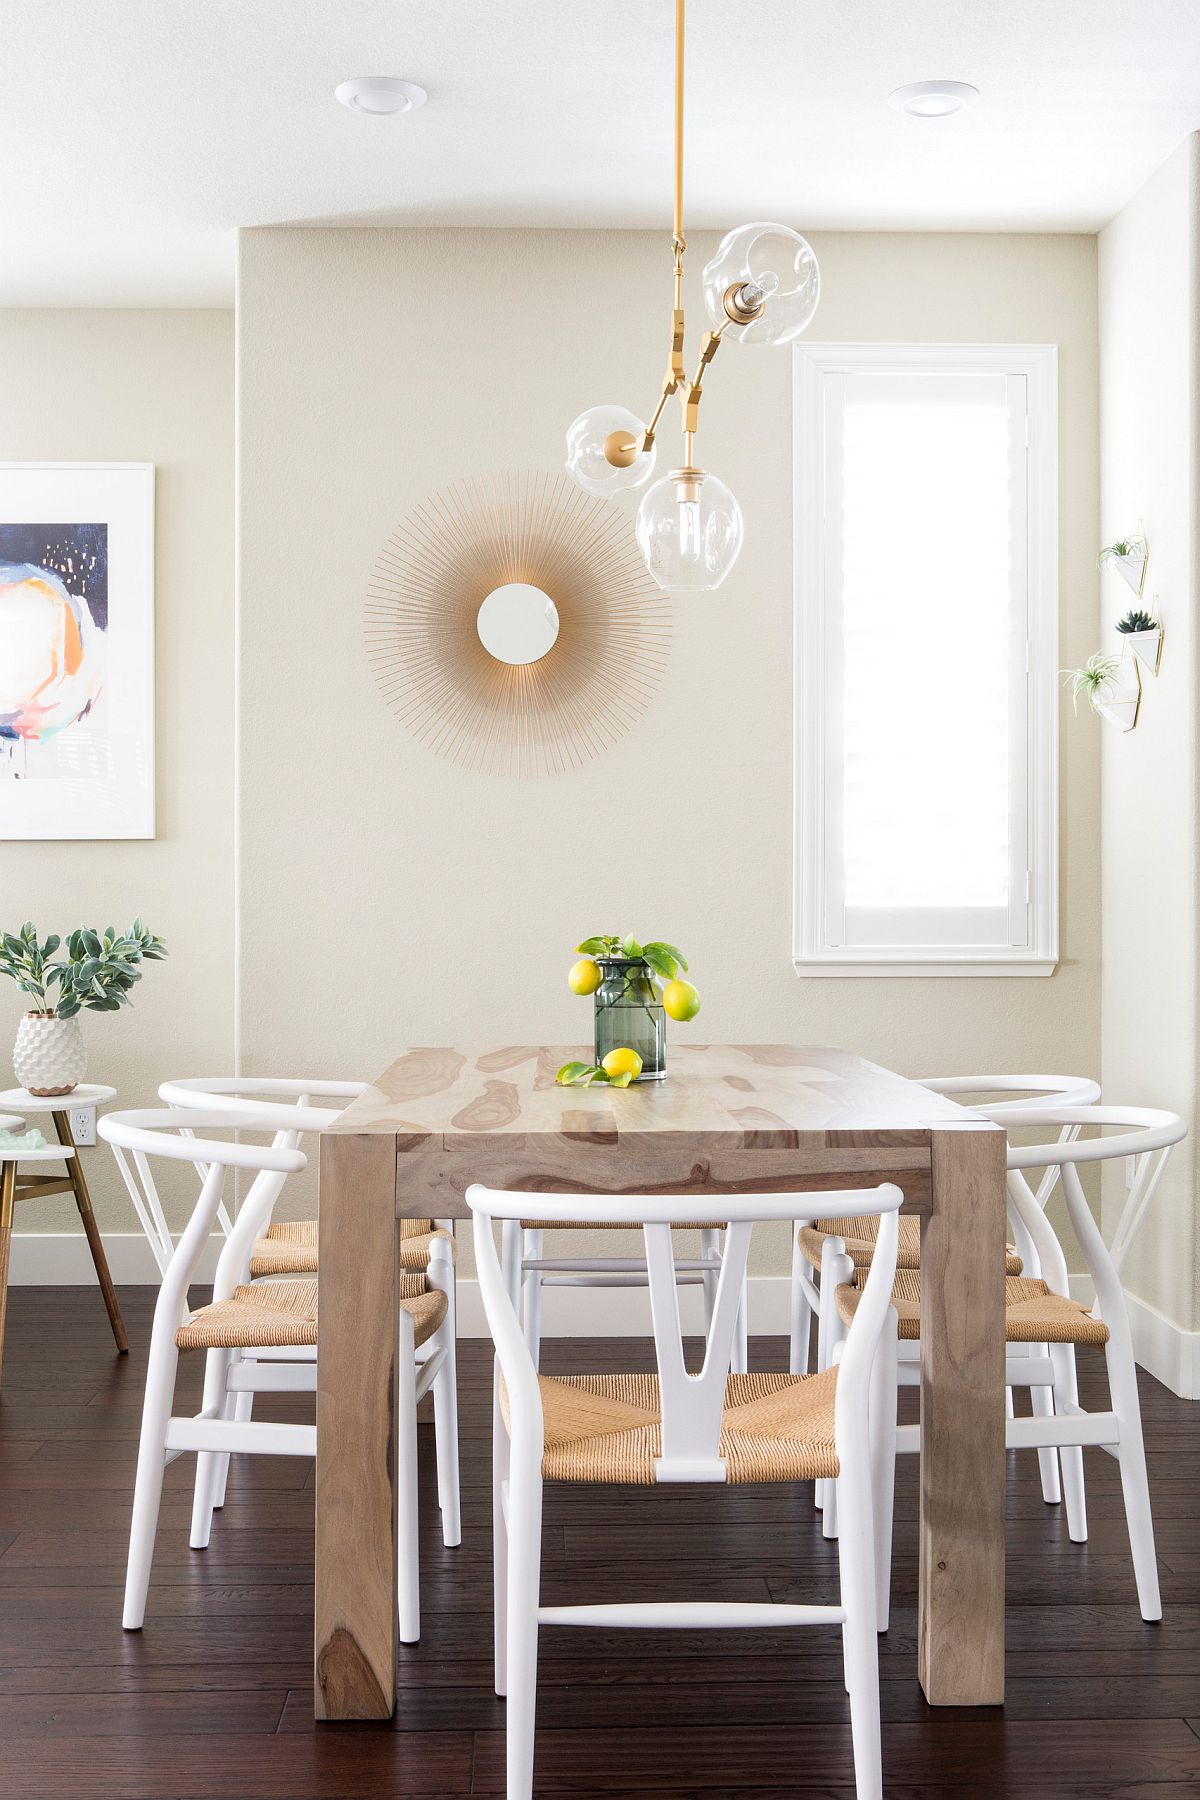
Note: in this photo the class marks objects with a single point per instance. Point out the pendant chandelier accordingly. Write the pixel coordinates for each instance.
(761, 287)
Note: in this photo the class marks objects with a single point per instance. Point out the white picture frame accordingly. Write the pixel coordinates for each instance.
(76, 650)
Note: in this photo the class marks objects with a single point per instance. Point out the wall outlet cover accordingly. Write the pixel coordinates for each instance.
(83, 1124)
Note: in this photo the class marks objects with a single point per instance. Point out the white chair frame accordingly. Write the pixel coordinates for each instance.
(168, 1133)
(528, 1270)
(1062, 1424)
(691, 1419)
(283, 1105)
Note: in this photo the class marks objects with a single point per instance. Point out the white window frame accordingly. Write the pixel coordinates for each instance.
(814, 952)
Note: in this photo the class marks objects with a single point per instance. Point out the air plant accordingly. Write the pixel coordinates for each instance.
(1094, 679)
(1136, 619)
(1124, 550)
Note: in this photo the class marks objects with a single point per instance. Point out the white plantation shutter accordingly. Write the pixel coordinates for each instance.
(927, 605)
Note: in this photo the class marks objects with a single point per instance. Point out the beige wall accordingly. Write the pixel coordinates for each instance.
(158, 387)
(387, 896)
(1149, 318)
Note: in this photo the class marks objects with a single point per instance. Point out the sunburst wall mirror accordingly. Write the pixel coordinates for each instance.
(513, 627)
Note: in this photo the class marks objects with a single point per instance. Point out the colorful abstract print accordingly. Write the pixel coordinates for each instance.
(53, 626)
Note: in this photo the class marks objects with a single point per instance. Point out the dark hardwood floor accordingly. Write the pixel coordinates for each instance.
(214, 1697)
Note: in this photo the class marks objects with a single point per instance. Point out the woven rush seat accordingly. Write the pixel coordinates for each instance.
(1033, 1313)
(290, 1248)
(285, 1313)
(607, 1428)
(860, 1235)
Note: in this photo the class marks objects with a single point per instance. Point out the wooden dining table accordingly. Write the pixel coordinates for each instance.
(739, 1118)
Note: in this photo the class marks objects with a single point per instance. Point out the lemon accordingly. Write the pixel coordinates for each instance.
(585, 976)
(622, 1062)
(680, 1000)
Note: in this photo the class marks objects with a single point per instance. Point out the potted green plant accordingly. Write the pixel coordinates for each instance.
(1128, 556)
(1142, 633)
(1109, 692)
(637, 987)
(96, 972)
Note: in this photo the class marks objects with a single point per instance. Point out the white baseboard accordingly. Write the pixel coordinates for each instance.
(47, 1259)
(62, 1259)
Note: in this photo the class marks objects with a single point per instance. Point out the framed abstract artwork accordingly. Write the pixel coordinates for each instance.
(76, 650)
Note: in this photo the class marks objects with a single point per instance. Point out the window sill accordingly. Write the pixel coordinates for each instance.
(965, 967)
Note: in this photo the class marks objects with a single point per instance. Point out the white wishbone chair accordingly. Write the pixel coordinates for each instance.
(710, 1426)
(253, 1321)
(1042, 1319)
(259, 1250)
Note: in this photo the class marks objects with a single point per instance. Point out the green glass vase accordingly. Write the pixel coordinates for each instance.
(629, 1014)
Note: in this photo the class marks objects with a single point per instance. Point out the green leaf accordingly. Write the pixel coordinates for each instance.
(572, 1073)
(630, 946)
(621, 1081)
(593, 946)
(51, 945)
(661, 961)
(671, 950)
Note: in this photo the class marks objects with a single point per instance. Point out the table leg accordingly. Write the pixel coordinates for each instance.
(355, 1628)
(961, 1600)
(83, 1201)
(8, 1194)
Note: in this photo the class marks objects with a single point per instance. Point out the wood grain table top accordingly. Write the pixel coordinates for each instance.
(767, 1094)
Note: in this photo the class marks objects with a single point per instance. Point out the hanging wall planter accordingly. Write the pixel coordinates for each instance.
(1112, 687)
(1128, 556)
(1142, 635)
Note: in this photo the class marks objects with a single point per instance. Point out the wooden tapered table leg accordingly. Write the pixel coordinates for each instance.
(355, 1626)
(961, 1601)
(83, 1200)
(8, 1190)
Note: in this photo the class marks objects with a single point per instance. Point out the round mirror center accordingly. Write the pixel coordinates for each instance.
(517, 623)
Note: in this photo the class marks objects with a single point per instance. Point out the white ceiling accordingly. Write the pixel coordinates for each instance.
(138, 133)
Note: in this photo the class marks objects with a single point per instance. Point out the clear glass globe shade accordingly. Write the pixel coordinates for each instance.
(586, 461)
(774, 261)
(689, 532)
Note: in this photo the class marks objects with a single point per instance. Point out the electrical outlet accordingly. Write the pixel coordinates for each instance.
(83, 1124)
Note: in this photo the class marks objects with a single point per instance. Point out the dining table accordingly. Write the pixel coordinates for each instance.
(727, 1119)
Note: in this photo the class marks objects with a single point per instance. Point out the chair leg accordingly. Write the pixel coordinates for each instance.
(1041, 1400)
(741, 1342)
(500, 1466)
(1070, 1456)
(800, 1323)
(239, 1407)
(147, 1492)
(884, 1402)
(531, 1289)
(856, 1555)
(216, 1370)
(836, 1267)
(709, 1247)
(8, 1194)
(445, 1424)
(524, 1583)
(1131, 1456)
(408, 1580)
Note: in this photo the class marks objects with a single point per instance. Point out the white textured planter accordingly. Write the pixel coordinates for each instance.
(1146, 646)
(49, 1056)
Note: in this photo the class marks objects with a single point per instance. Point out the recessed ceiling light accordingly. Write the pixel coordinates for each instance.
(380, 94)
(933, 99)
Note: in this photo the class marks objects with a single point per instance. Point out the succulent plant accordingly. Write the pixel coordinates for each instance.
(1136, 619)
(1097, 674)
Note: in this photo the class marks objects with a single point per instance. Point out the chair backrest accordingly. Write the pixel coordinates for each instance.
(169, 1133)
(283, 1102)
(691, 1404)
(1027, 1090)
(1145, 1141)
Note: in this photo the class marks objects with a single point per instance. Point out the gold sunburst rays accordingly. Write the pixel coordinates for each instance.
(535, 718)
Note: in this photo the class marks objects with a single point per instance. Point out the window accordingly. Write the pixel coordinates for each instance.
(926, 644)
